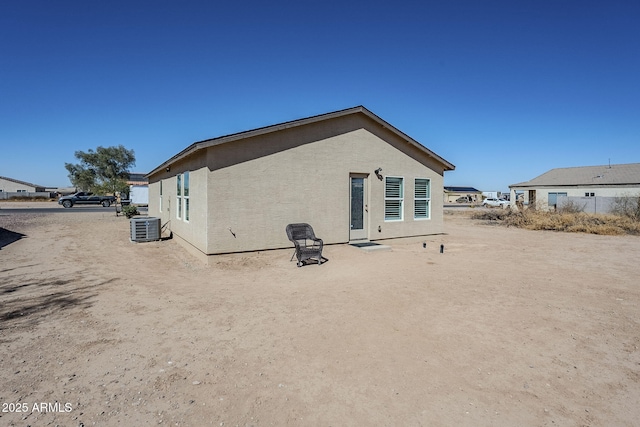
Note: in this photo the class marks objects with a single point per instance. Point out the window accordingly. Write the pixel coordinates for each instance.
(185, 196)
(160, 204)
(21, 191)
(421, 198)
(182, 196)
(179, 196)
(393, 198)
(552, 198)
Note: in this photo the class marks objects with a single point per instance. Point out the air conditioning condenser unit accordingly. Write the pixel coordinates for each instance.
(145, 229)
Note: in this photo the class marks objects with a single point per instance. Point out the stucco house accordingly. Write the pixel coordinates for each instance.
(451, 194)
(350, 174)
(586, 183)
(10, 187)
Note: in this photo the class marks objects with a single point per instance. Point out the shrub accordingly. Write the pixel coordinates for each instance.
(571, 206)
(491, 215)
(30, 198)
(560, 221)
(130, 211)
(627, 206)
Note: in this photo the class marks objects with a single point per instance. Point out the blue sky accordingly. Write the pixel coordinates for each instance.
(504, 90)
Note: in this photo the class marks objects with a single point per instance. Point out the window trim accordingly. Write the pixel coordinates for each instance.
(425, 199)
(185, 195)
(182, 197)
(400, 199)
(179, 196)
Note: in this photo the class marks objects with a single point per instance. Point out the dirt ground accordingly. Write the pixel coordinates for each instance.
(507, 328)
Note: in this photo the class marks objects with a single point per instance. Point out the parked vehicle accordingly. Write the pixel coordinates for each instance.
(464, 199)
(82, 198)
(125, 199)
(494, 203)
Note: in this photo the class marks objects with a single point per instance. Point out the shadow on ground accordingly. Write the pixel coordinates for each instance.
(8, 237)
(25, 304)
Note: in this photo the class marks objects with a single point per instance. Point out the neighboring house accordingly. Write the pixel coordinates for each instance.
(451, 194)
(10, 185)
(349, 174)
(586, 182)
(138, 188)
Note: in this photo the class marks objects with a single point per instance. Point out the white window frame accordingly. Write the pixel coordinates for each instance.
(394, 199)
(183, 186)
(186, 186)
(179, 196)
(426, 199)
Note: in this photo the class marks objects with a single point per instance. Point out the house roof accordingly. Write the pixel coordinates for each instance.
(17, 181)
(136, 178)
(197, 146)
(624, 174)
(462, 189)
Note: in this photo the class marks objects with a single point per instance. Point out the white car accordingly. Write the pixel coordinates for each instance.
(494, 203)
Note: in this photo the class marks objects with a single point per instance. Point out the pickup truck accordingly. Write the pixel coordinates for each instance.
(83, 198)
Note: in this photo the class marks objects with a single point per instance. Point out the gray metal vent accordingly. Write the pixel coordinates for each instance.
(145, 229)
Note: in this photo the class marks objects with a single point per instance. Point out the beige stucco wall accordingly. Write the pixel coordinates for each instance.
(193, 231)
(256, 186)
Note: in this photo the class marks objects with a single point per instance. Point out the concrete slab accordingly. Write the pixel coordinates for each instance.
(370, 246)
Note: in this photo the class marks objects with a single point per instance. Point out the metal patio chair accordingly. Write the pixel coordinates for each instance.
(308, 246)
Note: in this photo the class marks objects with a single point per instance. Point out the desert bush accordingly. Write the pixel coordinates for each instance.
(30, 199)
(627, 206)
(559, 221)
(517, 219)
(603, 229)
(491, 215)
(571, 206)
(130, 211)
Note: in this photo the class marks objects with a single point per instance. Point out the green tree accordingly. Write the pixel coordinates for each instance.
(104, 170)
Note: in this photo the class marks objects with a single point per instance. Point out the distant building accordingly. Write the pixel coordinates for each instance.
(585, 182)
(10, 185)
(452, 194)
(138, 188)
